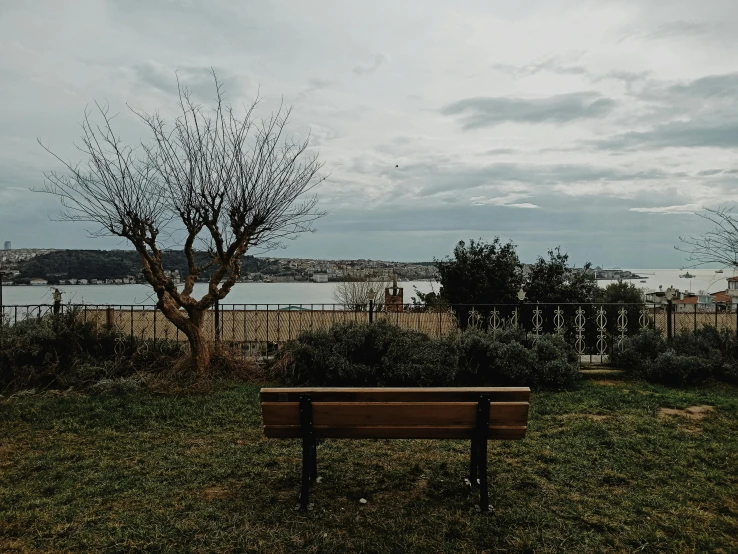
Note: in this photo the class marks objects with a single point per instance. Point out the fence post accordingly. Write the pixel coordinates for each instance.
(371, 310)
(668, 320)
(217, 323)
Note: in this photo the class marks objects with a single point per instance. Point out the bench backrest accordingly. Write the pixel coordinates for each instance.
(389, 413)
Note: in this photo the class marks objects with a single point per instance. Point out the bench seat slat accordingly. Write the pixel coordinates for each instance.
(429, 414)
(397, 394)
(396, 432)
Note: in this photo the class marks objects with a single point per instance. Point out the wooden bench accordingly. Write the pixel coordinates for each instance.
(479, 414)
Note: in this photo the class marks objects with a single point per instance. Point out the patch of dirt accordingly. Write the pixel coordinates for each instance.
(695, 413)
(215, 493)
(608, 382)
(691, 429)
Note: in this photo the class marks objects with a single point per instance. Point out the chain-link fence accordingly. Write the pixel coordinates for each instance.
(257, 329)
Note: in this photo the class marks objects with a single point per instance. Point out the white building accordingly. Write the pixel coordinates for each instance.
(320, 277)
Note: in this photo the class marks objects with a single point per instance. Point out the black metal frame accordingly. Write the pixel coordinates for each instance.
(477, 466)
(478, 461)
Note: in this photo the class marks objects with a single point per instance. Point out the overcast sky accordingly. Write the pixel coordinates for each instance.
(597, 126)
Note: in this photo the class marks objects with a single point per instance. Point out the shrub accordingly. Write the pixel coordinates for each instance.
(727, 372)
(379, 354)
(514, 366)
(557, 364)
(62, 351)
(419, 360)
(700, 344)
(383, 355)
(697, 356)
(477, 354)
(638, 350)
(678, 370)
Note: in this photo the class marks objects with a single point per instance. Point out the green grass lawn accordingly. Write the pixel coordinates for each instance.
(600, 471)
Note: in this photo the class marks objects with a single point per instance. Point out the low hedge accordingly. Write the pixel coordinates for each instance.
(678, 370)
(358, 355)
(690, 359)
(62, 351)
(380, 354)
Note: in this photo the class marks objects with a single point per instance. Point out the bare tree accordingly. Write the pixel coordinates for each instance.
(225, 181)
(719, 245)
(355, 294)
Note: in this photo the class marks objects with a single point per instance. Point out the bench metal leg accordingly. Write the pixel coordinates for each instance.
(473, 462)
(314, 459)
(309, 465)
(482, 432)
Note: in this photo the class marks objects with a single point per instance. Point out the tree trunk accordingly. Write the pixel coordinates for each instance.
(191, 325)
(200, 349)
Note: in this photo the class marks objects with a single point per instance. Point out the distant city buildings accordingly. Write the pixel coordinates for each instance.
(689, 302)
(22, 254)
(266, 270)
(612, 274)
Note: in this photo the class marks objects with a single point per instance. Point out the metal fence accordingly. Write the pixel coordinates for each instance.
(592, 329)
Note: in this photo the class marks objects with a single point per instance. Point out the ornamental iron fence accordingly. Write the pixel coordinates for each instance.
(258, 329)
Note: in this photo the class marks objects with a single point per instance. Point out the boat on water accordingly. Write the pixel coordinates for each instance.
(719, 271)
(687, 275)
(643, 281)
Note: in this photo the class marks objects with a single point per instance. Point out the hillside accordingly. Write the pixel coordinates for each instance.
(111, 264)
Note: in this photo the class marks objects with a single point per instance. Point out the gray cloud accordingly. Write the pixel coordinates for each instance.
(197, 80)
(674, 30)
(702, 112)
(682, 134)
(552, 64)
(370, 66)
(510, 200)
(467, 178)
(500, 151)
(564, 108)
(317, 83)
(719, 87)
(666, 210)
